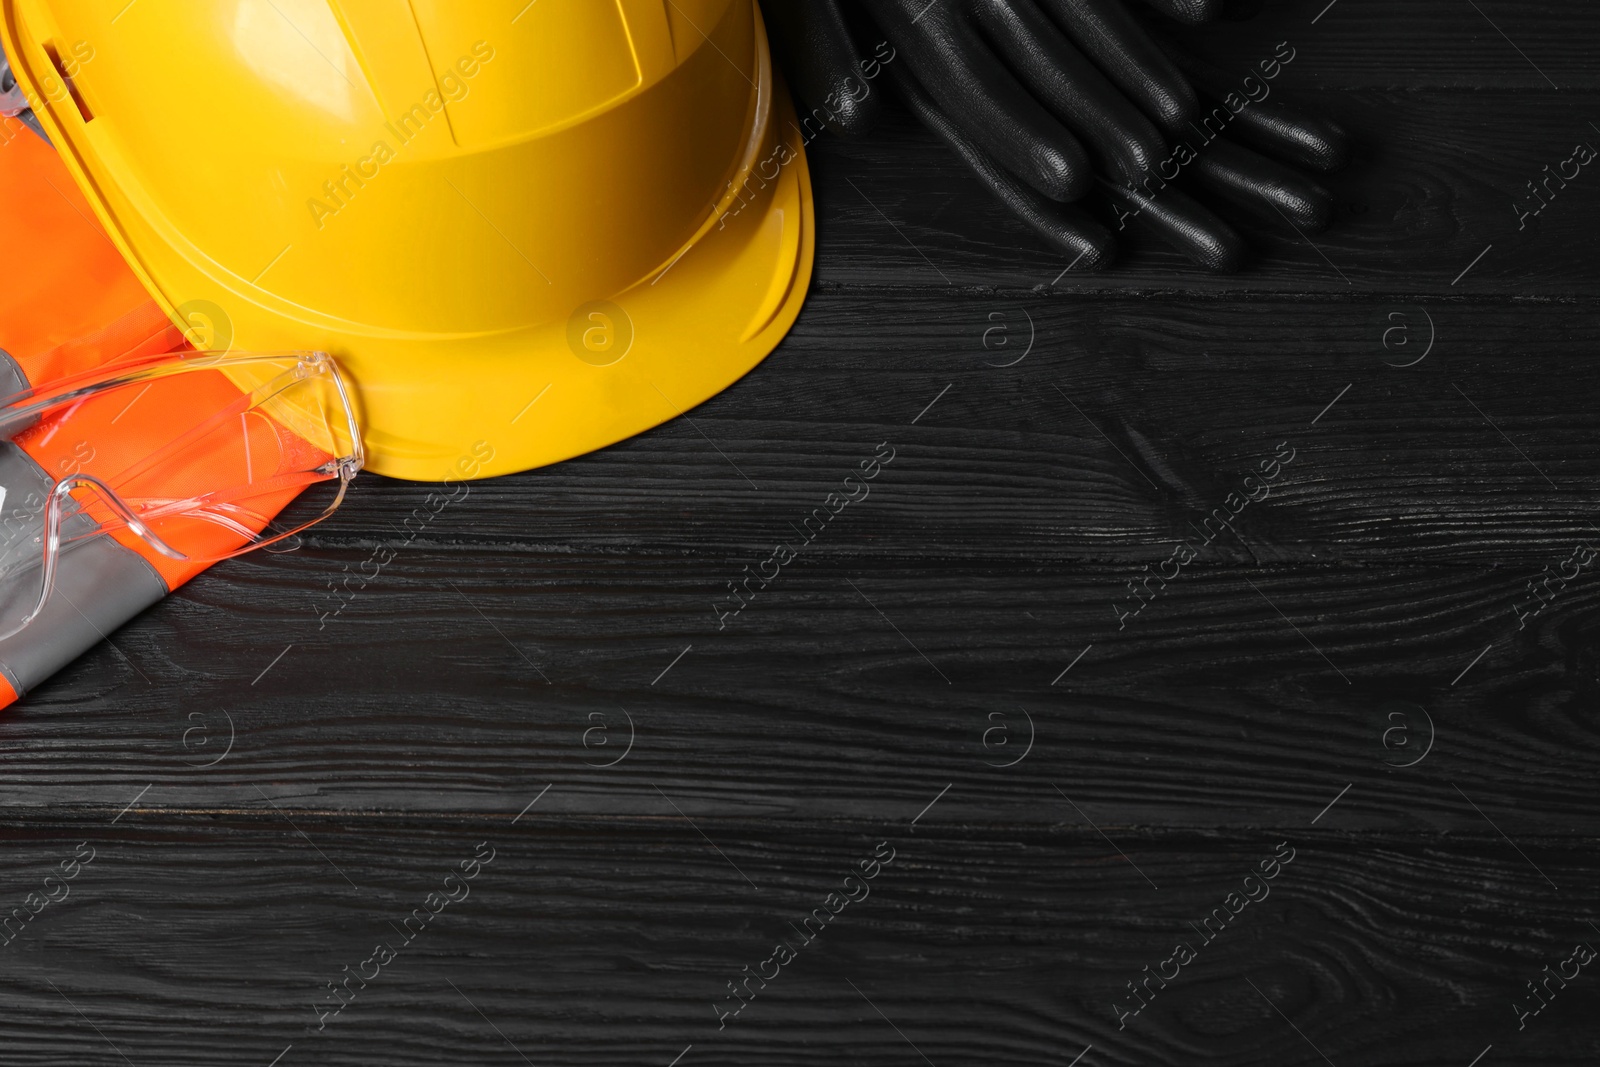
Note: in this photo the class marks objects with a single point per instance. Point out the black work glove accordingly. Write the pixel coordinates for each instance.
(1050, 100)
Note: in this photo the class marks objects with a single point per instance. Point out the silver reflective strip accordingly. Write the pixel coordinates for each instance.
(12, 380)
(99, 584)
(24, 490)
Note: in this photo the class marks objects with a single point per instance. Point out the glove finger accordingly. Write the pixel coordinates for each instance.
(1070, 229)
(983, 98)
(1263, 187)
(1190, 11)
(1110, 35)
(1127, 143)
(1293, 134)
(1284, 130)
(1181, 222)
(819, 60)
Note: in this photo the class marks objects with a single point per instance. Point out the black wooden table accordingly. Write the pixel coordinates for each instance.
(1010, 774)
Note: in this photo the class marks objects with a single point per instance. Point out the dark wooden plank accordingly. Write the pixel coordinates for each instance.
(1242, 696)
(600, 940)
(1536, 45)
(1436, 180)
(1129, 420)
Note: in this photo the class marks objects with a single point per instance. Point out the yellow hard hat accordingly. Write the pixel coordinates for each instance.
(526, 228)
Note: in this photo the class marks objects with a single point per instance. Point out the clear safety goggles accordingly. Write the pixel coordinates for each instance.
(187, 457)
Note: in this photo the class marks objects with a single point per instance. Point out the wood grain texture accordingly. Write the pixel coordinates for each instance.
(1093, 446)
(1419, 44)
(598, 940)
(1209, 709)
(277, 764)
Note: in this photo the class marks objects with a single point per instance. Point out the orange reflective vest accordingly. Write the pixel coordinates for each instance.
(69, 304)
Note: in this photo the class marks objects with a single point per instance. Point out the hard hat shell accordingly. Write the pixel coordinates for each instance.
(526, 229)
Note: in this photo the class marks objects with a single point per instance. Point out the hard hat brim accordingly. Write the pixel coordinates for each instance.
(686, 333)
